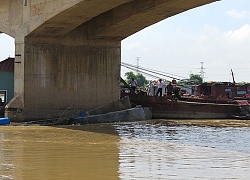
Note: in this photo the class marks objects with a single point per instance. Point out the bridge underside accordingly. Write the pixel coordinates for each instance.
(114, 19)
(71, 61)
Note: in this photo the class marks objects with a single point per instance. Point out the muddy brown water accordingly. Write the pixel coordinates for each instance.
(159, 149)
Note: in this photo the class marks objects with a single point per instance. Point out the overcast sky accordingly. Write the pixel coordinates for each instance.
(217, 34)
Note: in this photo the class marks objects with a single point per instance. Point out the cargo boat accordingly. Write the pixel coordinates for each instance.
(165, 108)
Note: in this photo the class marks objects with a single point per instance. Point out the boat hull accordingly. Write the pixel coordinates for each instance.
(162, 107)
(127, 115)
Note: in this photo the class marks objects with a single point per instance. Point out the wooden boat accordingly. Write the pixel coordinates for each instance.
(162, 107)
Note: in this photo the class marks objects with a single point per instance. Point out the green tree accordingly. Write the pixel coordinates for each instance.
(141, 80)
(129, 76)
(196, 78)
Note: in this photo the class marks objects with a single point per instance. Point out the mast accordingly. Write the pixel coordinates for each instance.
(232, 75)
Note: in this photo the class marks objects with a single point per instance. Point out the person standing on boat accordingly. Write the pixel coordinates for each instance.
(169, 90)
(155, 87)
(150, 88)
(176, 92)
(133, 83)
(160, 85)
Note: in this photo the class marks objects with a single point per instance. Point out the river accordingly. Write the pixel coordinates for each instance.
(157, 149)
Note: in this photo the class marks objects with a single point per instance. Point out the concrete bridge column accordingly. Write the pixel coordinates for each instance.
(54, 76)
(17, 105)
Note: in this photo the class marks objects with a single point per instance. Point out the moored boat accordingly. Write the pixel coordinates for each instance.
(162, 107)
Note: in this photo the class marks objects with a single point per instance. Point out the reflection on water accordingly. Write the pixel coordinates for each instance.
(184, 150)
(159, 149)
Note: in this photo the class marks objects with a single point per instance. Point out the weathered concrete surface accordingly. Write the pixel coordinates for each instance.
(68, 51)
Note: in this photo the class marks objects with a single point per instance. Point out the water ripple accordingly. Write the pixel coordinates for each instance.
(183, 151)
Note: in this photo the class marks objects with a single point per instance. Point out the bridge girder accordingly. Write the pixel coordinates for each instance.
(115, 19)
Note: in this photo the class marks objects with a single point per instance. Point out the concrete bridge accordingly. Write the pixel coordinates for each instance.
(68, 52)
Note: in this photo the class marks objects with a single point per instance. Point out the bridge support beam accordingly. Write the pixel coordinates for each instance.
(56, 76)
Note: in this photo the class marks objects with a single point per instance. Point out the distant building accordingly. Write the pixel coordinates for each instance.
(6, 80)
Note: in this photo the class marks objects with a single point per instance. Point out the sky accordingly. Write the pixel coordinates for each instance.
(216, 35)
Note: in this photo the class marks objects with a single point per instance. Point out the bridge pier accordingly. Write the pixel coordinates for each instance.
(66, 74)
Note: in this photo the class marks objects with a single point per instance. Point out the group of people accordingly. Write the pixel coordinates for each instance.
(168, 90)
(158, 88)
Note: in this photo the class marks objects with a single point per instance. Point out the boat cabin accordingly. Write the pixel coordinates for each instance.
(223, 90)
